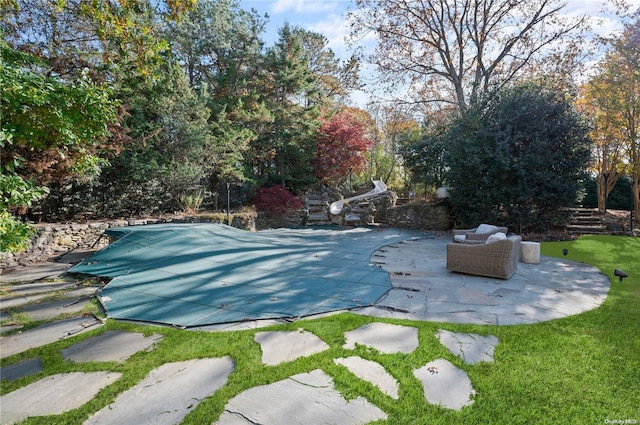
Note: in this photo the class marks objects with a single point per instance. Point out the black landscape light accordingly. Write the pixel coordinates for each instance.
(620, 274)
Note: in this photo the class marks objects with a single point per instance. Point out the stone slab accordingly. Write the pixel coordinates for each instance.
(167, 394)
(472, 348)
(303, 399)
(65, 290)
(34, 272)
(384, 337)
(46, 334)
(21, 369)
(445, 385)
(412, 301)
(111, 346)
(25, 289)
(52, 309)
(53, 395)
(372, 372)
(286, 346)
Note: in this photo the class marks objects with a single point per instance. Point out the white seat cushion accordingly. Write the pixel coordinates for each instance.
(486, 228)
(496, 237)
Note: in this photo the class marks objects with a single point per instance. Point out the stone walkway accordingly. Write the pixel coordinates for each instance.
(422, 290)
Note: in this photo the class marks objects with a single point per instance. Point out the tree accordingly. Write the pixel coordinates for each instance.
(341, 147)
(459, 51)
(283, 150)
(395, 128)
(53, 126)
(608, 147)
(334, 79)
(102, 36)
(171, 148)
(612, 99)
(219, 47)
(50, 128)
(423, 156)
(519, 160)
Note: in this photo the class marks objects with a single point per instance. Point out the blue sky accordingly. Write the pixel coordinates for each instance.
(327, 17)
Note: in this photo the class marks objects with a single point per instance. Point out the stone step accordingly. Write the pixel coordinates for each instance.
(586, 220)
(317, 201)
(317, 217)
(577, 229)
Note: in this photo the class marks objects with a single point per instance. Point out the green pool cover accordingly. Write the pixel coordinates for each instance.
(201, 274)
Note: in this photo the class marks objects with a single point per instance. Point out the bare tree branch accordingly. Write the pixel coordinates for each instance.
(465, 47)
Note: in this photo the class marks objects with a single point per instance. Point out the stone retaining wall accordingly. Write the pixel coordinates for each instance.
(54, 240)
(422, 216)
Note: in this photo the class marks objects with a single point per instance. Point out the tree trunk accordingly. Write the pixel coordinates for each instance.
(636, 196)
(605, 183)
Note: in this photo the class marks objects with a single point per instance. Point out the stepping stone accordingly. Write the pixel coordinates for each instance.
(111, 346)
(286, 346)
(34, 272)
(303, 399)
(21, 369)
(472, 348)
(167, 394)
(50, 310)
(384, 337)
(372, 372)
(53, 395)
(46, 334)
(445, 385)
(25, 289)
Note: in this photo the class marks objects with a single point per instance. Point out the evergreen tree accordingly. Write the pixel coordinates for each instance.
(519, 160)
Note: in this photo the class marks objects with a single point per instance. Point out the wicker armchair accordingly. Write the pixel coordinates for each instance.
(494, 259)
(472, 236)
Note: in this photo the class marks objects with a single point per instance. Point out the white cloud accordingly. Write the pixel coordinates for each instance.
(305, 6)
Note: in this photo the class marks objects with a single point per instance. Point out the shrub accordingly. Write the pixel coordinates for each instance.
(276, 200)
(519, 160)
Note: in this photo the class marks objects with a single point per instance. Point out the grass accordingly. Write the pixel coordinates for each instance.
(582, 369)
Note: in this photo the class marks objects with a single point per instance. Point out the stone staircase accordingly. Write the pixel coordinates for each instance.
(587, 221)
(317, 205)
(318, 209)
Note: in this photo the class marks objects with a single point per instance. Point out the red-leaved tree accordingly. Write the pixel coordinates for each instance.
(342, 143)
(276, 200)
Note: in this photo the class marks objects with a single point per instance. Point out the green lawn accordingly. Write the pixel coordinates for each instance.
(583, 369)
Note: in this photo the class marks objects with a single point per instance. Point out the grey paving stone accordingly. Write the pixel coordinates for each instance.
(286, 346)
(111, 346)
(21, 369)
(445, 385)
(472, 348)
(372, 372)
(34, 272)
(37, 288)
(167, 394)
(53, 395)
(384, 337)
(303, 399)
(46, 334)
(460, 296)
(411, 301)
(52, 309)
